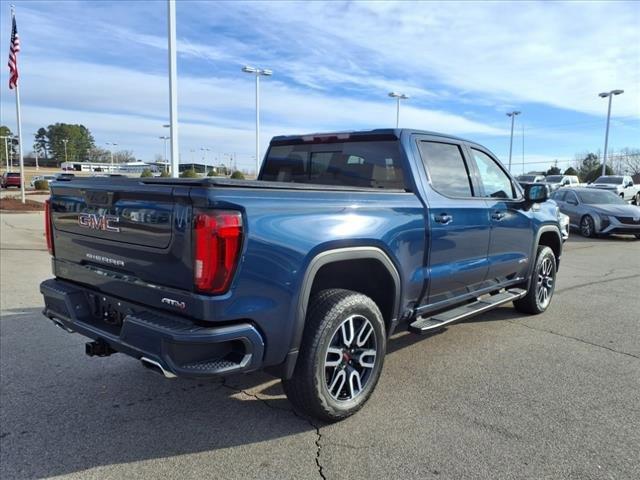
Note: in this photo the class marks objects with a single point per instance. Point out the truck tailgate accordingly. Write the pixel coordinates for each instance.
(125, 227)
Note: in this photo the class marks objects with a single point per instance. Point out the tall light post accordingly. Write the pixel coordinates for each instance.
(35, 151)
(606, 135)
(166, 161)
(257, 72)
(6, 151)
(65, 141)
(513, 117)
(204, 155)
(398, 96)
(111, 152)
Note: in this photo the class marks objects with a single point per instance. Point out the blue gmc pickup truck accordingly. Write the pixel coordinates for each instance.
(305, 272)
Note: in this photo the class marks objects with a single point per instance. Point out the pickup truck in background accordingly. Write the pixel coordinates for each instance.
(305, 272)
(558, 181)
(621, 185)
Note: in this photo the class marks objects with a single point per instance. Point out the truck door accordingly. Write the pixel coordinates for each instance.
(458, 222)
(511, 240)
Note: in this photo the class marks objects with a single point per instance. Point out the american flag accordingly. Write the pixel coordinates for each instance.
(13, 56)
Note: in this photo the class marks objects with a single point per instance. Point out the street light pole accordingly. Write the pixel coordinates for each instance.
(398, 97)
(606, 135)
(166, 160)
(65, 140)
(111, 152)
(513, 117)
(257, 72)
(6, 151)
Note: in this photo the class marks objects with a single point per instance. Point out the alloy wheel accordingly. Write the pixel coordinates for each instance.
(586, 226)
(350, 358)
(545, 282)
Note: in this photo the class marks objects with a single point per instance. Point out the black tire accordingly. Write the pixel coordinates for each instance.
(637, 235)
(308, 388)
(637, 200)
(533, 302)
(587, 227)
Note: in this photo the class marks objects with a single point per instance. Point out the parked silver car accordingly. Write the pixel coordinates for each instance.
(598, 212)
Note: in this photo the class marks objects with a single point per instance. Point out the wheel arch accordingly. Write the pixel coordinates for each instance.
(323, 266)
(550, 236)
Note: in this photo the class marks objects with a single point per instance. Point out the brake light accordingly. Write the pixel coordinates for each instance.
(48, 232)
(217, 243)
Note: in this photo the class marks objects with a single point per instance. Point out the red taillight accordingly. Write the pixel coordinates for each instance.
(217, 242)
(48, 232)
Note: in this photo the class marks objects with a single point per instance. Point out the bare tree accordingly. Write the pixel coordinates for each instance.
(124, 156)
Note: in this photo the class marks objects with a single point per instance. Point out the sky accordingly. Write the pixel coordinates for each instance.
(464, 65)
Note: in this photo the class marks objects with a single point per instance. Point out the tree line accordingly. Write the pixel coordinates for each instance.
(588, 166)
(64, 142)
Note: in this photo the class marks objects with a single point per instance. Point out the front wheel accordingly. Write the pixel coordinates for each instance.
(541, 286)
(587, 227)
(341, 355)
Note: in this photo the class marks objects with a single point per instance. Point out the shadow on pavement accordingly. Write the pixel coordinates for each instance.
(63, 412)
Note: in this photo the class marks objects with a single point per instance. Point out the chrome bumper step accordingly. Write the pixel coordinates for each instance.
(423, 325)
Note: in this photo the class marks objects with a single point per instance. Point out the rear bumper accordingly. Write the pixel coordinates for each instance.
(174, 344)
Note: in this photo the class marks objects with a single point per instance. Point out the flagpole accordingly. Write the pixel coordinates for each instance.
(19, 122)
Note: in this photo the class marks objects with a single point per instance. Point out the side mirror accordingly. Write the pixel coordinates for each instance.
(536, 193)
(572, 201)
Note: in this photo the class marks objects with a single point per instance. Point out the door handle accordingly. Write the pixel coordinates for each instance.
(443, 218)
(498, 215)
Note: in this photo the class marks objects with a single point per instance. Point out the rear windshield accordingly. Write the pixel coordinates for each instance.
(13, 174)
(355, 164)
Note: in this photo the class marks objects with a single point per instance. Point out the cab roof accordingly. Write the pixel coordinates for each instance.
(357, 135)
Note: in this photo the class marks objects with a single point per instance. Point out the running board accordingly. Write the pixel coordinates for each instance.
(424, 325)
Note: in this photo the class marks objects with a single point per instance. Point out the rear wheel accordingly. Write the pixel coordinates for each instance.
(341, 355)
(542, 285)
(587, 226)
(636, 200)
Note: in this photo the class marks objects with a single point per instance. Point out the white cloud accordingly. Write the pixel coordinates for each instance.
(120, 104)
(559, 54)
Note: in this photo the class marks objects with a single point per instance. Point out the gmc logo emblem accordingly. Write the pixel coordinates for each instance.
(99, 222)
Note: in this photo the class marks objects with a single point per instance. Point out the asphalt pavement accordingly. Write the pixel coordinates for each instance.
(503, 396)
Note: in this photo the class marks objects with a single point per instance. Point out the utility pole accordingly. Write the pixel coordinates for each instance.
(513, 117)
(523, 148)
(606, 135)
(398, 97)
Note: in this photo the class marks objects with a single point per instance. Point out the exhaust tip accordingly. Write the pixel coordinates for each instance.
(156, 367)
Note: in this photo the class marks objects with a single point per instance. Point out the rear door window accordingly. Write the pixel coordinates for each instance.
(448, 172)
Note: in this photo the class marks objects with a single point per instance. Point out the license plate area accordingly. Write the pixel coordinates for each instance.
(107, 312)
